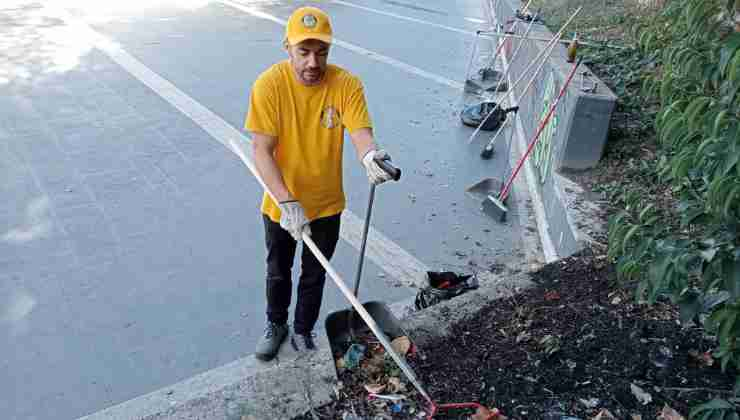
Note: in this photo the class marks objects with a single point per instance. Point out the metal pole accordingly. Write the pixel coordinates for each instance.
(493, 34)
(505, 76)
(364, 237)
(549, 48)
(505, 192)
(518, 48)
(472, 55)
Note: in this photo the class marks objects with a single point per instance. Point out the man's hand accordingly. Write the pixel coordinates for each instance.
(375, 173)
(293, 219)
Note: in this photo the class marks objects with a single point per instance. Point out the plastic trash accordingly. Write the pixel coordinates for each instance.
(354, 355)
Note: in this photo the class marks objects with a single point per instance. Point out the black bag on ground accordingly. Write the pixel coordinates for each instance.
(474, 115)
(443, 286)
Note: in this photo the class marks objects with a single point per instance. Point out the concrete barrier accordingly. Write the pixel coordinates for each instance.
(575, 137)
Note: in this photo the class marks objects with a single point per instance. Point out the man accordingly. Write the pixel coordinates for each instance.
(297, 114)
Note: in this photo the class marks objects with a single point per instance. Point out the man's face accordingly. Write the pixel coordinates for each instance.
(308, 59)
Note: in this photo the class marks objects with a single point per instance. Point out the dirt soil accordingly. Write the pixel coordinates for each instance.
(572, 346)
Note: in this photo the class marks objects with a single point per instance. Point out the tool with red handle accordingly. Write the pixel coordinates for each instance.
(496, 205)
(493, 414)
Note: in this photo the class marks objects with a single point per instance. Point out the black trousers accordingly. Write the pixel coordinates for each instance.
(281, 249)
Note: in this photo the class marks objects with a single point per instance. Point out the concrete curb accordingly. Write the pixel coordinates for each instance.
(278, 389)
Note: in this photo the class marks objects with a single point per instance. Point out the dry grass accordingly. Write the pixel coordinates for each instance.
(599, 20)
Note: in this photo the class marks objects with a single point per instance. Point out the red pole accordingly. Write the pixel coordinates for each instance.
(505, 191)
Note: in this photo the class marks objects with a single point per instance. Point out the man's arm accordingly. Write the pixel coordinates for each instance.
(264, 159)
(368, 154)
(362, 139)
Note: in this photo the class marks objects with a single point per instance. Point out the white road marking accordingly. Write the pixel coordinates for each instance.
(355, 48)
(475, 20)
(382, 251)
(410, 19)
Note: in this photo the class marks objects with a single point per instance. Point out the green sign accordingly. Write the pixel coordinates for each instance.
(542, 152)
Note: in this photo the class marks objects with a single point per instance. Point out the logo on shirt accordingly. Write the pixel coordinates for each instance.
(330, 117)
(309, 21)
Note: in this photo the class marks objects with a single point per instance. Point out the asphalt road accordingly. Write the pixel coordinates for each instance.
(131, 246)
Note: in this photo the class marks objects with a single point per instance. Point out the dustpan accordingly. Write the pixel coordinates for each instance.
(343, 326)
(486, 191)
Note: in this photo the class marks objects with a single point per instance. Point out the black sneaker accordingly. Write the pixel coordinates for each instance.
(303, 342)
(270, 342)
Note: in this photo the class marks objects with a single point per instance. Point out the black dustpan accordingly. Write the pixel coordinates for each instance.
(343, 326)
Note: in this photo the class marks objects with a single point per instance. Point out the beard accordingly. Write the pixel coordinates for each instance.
(312, 76)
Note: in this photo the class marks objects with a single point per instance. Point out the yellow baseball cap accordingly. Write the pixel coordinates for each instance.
(308, 23)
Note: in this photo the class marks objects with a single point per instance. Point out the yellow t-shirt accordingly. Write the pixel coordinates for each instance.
(309, 123)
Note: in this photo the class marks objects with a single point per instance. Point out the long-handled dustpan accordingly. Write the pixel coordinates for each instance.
(343, 326)
(238, 147)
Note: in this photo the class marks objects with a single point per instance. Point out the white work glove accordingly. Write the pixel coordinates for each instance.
(293, 219)
(375, 173)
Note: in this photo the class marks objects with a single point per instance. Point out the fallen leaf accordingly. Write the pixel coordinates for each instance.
(340, 363)
(669, 413)
(604, 414)
(643, 397)
(373, 366)
(378, 360)
(401, 345)
(395, 385)
(704, 359)
(590, 403)
(374, 388)
(552, 295)
(482, 413)
(636, 417)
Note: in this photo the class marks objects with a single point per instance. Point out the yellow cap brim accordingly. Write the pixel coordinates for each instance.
(300, 38)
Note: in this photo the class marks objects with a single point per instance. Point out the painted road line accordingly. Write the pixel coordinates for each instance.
(408, 68)
(382, 251)
(415, 20)
(406, 18)
(407, 269)
(475, 20)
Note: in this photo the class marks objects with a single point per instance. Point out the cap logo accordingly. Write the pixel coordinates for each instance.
(309, 21)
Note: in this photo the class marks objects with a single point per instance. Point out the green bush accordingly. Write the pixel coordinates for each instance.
(694, 72)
